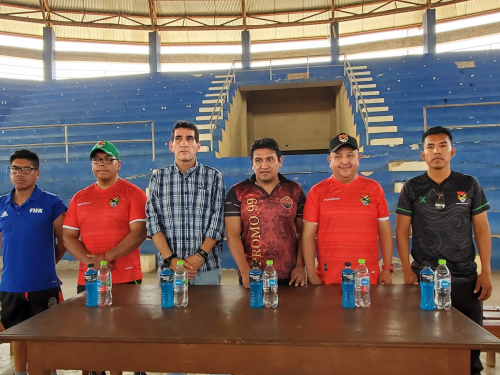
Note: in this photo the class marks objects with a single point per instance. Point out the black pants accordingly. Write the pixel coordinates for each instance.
(465, 300)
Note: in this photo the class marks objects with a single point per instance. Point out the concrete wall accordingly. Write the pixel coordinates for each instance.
(234, 136)
(299, 119)
(345, 113)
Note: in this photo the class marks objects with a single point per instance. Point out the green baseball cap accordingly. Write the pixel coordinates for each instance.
(106, 147)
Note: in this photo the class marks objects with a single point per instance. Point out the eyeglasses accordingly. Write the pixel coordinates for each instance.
(24, 170)
(439, 191)
(104, 160)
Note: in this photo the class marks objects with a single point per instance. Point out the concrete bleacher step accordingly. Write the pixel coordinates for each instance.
(369, 93)
(382, 129)
(209, 109)
(214, 95)
(386, 141)
(362, 73)
(209, 101)
(403, 166)
(364, 79)
(372, 119)
(367, 86)
(374, 100)
(375, 109)
(360, 67)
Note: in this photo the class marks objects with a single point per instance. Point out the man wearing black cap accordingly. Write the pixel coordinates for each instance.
(348, 215)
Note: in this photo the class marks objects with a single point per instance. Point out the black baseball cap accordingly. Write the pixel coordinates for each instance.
(343, 139)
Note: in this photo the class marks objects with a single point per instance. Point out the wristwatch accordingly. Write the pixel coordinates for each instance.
(166, 261)
(389, 267)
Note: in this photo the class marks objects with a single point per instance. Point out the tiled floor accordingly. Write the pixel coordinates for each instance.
(229, 277)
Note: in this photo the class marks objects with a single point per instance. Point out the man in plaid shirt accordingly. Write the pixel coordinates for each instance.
(185, 210)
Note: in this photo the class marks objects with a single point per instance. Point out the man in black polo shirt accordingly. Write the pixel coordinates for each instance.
(441, 205)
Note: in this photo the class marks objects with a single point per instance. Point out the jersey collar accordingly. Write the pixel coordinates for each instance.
(33, 197)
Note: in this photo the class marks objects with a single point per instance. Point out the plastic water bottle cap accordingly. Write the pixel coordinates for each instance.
(442, 261)
(103, 263)
(90, 265)
(269, 262)
(180, 262)
(361, 261)
(347, 264)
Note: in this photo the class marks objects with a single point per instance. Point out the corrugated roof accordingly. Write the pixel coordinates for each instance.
(311, 18)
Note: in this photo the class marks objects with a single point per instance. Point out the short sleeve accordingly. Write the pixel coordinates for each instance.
(71, 219)
(232, 206)
(382, 210)
(311, 207)
(405, 205)
(137, 205)
(301, 203)
(57, 209)
(479, 202)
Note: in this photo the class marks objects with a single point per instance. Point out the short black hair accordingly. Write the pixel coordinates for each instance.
(185, 125)
(265, 143)
(437, 130)
(26, 154)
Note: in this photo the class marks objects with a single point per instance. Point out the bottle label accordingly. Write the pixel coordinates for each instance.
(272, 282)
(365, 281)
(427, 277)
(178, 282)
(256, 278)
(347, 277)
(445, 283)
(166, 279)
(92, 278)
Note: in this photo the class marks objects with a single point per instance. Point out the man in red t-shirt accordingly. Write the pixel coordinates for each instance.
(263, 218)
(109, 217)
(348, 214)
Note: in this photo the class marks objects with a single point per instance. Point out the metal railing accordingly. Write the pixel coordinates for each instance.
(425, 108)
(219, 105)
(361, 106)
(67, 143)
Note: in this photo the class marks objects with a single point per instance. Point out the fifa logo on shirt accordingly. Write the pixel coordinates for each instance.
(113, 202)
(462, 196)
(365, 200)
(36, 210)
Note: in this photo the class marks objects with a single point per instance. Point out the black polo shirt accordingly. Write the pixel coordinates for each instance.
(443, 234)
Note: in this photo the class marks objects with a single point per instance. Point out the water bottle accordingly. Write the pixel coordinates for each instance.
(104, 285)
(427, 289)
(348, 301)
(270, 287)
(91, 286)
(442, 291)
(180, 285)
(256, 299)
(362, 282)
(167, 287)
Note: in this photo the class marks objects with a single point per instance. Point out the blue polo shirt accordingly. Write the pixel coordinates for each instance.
(28, 242)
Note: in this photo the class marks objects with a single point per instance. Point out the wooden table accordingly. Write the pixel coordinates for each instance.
(309, 333)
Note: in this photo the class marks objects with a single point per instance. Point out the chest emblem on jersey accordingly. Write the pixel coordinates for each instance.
(113, 202)
(36, 210)
(462, 196)
(4, 214)
(286, 202)
(343, 137)
(365, 200)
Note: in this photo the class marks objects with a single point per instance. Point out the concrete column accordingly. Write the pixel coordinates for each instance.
(245, 44)
(430, 31)
(49, 65)
(154, 52)
(334, 41)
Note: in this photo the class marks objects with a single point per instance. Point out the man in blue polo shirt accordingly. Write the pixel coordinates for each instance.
(30, 221)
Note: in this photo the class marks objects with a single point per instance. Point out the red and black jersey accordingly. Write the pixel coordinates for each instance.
(268, 221)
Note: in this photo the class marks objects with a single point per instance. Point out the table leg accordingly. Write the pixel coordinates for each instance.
(490, 359)
(36, 359)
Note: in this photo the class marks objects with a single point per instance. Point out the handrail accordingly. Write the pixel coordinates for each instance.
(221, 99)
(459, 105)
(360, 104)
(66, 143)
